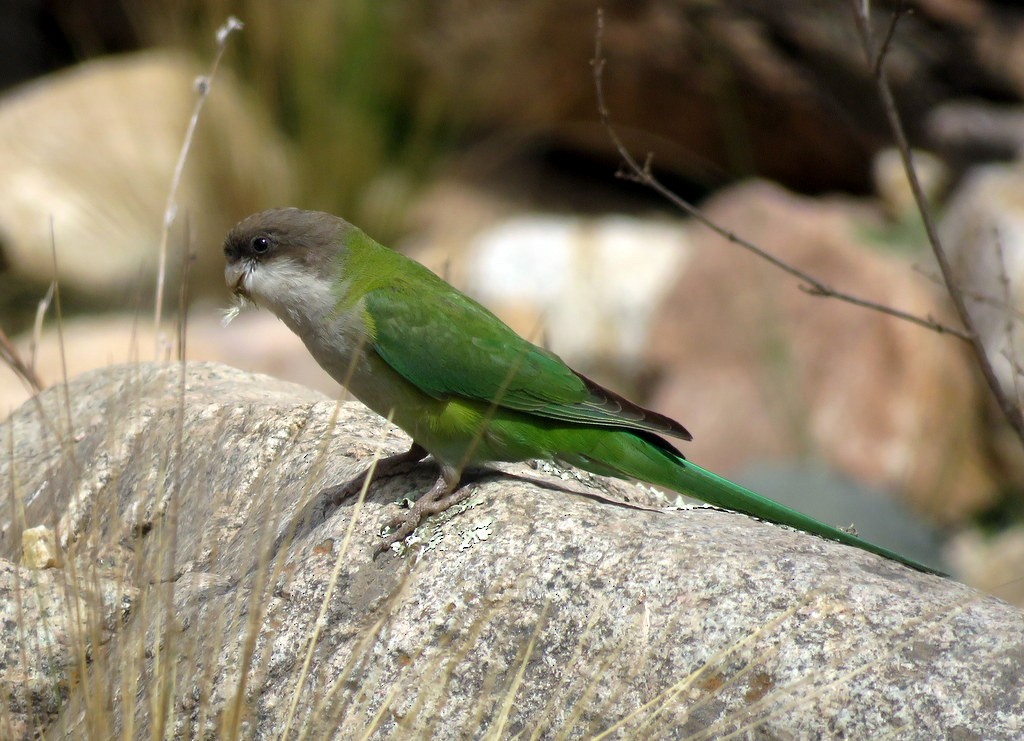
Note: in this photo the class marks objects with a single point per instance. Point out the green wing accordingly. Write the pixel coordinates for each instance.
(449, 345)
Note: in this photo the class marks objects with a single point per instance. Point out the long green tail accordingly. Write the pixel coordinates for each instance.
(624, 454)
(713, 489)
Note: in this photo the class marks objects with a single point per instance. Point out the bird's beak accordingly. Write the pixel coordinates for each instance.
(235, 274)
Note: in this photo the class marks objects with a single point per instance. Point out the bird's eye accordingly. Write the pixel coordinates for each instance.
(260, 245)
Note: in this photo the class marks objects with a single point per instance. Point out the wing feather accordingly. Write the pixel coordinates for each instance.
(449, 345)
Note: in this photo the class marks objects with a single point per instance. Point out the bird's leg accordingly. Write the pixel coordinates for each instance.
(443, 494)
(317, 509)
(392, 465)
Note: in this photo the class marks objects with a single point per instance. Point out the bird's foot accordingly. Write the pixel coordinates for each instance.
(442, 495)
(319, 507)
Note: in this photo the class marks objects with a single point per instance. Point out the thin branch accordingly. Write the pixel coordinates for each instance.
(186, 262)
(883, 51)
(643, 175)
(202, 86)
(975, 296)
(1010, 410)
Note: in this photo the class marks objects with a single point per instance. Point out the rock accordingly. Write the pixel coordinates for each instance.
(585, 287)
(893, 187)
(50, 623)
(983, 232)
(992, 562)
(544, 605)
(971, 131)
(94, 148)
(38, 548)
(717, 91)
(255, 341)
(759, 370)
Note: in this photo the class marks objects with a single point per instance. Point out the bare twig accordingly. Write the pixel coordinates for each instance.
(643, 175)
(975, 296)
(186, 262)
(202, 86)
(63, 359)
(862, 18)
(900, 11)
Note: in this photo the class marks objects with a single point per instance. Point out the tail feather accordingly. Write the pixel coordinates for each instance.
(630, 456)
(713, 489)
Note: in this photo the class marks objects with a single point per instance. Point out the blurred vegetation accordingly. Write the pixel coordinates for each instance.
(368, 123)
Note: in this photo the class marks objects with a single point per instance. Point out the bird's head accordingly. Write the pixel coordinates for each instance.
(283, 256)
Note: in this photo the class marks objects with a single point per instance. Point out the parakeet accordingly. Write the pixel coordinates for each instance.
(464, 386)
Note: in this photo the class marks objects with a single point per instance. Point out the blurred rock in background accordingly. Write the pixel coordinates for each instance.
(758, 369)
(984, 228)
(719, 90)
(92, 150)
(255, 341)
(991, 561)
(894, 192)
(973, 130)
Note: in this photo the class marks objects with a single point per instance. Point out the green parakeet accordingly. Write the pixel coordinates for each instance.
(460, 382)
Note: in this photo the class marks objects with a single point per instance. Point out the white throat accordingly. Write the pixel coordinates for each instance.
(310, 305)
(300, 298)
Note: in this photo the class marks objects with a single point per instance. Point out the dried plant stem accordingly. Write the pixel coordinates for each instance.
(862, 18)
(10, 355)
(60, 344)
(643, 175)
(202, 86)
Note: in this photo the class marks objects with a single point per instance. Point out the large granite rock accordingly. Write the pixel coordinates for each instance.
(547, 605)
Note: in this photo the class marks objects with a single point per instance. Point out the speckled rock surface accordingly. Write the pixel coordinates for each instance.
(542, 608)
(46, 616)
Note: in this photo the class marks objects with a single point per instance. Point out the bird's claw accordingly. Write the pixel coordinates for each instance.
(401, 529)
(403, 525)
(434, 502)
